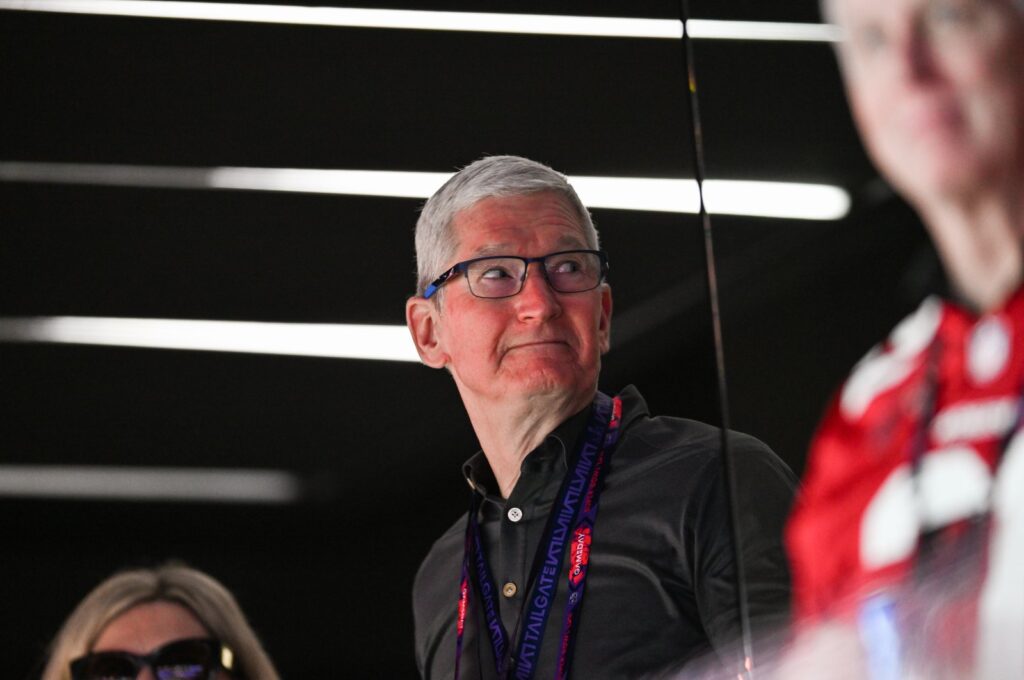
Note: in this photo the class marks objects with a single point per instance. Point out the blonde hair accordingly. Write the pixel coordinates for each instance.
(204, 596)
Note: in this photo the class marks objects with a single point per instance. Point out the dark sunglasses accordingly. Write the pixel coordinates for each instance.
(191, 659)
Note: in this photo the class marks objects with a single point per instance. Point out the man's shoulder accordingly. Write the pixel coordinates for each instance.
(686, 436)
(692, 443)
(659, 432)
(673, 448)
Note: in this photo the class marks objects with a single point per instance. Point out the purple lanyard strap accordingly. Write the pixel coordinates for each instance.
(572, 521)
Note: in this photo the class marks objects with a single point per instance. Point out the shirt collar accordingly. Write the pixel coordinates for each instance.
(552, 455)
(633, 407)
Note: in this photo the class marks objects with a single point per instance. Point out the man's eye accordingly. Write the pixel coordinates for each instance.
(869, 39)
(495, 273)
(567, 266)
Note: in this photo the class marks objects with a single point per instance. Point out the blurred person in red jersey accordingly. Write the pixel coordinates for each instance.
(911, 519)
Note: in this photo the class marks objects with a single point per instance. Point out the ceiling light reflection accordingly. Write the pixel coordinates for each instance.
(153, 484)
(786, 200)
(338, 341)
(488, 22)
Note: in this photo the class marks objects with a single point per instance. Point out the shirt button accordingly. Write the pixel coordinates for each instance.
(515, 514)
(509, 589)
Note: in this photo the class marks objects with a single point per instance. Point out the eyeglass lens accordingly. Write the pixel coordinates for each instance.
(183, 660)
(570, 272)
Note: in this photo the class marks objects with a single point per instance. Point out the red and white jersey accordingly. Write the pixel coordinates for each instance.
(945, 390)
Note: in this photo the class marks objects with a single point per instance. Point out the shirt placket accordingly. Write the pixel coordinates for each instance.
(522, 522)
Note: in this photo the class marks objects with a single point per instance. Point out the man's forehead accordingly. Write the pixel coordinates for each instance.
(571, 238)
(530, 203)
(499, 225)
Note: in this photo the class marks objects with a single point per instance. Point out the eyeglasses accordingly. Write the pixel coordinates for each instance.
(190, 659)
(567, 271)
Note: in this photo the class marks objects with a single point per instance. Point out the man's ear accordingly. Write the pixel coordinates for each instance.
(604, 327)
(421, 316)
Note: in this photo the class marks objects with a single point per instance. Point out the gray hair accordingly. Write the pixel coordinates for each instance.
(489, 177)
(211, 603)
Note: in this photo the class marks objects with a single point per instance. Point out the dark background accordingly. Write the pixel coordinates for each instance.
(326, 581)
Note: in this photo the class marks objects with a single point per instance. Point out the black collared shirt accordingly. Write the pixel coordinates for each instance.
(660, 587)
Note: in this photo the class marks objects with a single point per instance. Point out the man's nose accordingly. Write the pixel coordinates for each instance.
(537, 299)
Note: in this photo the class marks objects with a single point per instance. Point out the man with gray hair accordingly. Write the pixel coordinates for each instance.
(512, 301)
(912, 516)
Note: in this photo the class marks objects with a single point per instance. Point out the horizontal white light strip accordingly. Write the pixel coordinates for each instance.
(537, 24)
(723, 197)
(339, 341)
(149, 484)
(394, 183)
(714, 29)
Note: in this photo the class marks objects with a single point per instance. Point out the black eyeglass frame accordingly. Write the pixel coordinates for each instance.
(461, 267)
(221, 656)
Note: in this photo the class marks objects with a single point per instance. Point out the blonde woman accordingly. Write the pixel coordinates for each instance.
(168, 622)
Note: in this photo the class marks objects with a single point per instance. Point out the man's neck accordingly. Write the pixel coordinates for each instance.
(510, 429)
(981, 243)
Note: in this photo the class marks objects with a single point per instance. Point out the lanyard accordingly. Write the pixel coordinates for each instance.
(572, 521)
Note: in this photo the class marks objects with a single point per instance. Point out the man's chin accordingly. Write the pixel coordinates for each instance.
(941, 172)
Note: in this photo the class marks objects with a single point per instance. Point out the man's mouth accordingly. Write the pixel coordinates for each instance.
(538, 344)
